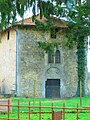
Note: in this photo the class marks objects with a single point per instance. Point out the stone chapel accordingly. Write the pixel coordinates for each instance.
(31, 72)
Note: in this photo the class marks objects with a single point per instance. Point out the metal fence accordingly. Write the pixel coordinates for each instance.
(27, 111)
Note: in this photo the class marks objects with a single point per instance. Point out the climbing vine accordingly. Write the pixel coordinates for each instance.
(78, 33)
(81, 64)
(46, 46)
(75, 38)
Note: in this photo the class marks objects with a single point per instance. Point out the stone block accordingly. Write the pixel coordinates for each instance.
(57, 115)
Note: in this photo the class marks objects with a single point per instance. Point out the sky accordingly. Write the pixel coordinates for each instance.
(27, 14)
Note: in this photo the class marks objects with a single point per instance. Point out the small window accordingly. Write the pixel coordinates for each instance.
(57, 56)
(54, 57)
(50, 57)
(53, 33)
(8, 35)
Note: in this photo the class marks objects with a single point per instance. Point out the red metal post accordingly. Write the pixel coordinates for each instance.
(8, 109)
(39, 110)
(18, 110)
(29, 110)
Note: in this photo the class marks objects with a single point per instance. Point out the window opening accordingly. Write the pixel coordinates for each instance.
(54, 56)
(50, 57)
(57, 56)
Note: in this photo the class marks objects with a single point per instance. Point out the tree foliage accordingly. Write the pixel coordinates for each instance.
(78, 13)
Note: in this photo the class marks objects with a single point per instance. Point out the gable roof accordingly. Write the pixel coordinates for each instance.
(28, 21)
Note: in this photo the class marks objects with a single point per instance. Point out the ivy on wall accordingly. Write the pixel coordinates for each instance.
(78, 33)
(81, 64)
(76, 37)
(48, 46)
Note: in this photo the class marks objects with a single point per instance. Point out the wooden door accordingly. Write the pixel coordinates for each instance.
(52, 88)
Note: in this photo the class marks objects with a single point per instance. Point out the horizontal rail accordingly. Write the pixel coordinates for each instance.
(8, 119)
(54, 107)
(65, 110)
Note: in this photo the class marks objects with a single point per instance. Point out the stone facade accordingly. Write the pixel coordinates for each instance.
(34, 69)
(24, 64)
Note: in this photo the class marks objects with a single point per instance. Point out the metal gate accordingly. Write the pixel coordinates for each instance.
(52, 88)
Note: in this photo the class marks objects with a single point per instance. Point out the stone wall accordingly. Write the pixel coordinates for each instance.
(7, 61)
(34, 69)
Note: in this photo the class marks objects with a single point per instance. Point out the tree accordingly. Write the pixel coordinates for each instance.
(79, 28)
(76, 12)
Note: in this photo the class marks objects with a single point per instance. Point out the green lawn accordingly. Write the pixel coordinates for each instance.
(83, 115)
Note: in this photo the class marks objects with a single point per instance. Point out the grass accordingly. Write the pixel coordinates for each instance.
(83, 115)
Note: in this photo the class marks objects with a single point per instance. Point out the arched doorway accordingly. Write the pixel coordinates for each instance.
(52, 88)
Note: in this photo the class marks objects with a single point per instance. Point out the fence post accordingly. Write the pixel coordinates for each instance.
(80, 94)
(39, 110)
(63, 111)
(52, 110)
(18, 110)
(8, 109)
(76, 111)
(29, 110)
